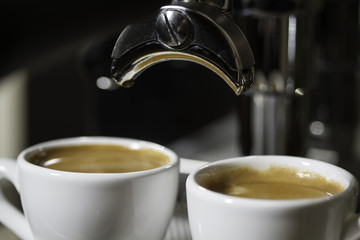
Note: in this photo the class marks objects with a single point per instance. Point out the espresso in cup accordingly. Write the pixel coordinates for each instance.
(273, 183)
(98, 158)
(107, 188)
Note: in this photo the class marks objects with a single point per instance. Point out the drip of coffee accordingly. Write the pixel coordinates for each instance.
(272, 183)
(97, 158)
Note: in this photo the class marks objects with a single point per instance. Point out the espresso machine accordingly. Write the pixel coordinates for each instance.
(294, 65)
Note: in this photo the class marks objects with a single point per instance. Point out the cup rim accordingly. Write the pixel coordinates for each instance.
(84, 140)
(350, 186)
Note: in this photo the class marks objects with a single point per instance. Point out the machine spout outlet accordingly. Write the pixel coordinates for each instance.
(188, 31)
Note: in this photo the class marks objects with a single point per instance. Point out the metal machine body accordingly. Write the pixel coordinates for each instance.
(293, 57)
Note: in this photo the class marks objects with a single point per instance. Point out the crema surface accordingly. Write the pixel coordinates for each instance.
(273, 183)
(98, 158)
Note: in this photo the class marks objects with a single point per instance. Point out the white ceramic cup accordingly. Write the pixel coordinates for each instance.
(215, 216)
(74, 206)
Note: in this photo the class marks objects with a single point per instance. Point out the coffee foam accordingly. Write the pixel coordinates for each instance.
(275, 182)
(98, 158)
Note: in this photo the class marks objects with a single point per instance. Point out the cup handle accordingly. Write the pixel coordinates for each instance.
(10, 216)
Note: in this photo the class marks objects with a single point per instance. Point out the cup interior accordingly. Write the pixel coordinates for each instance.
(132, 144)
(328, 171)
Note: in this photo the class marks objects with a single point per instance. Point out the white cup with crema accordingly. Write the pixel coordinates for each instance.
(91, 188)
(272, 198)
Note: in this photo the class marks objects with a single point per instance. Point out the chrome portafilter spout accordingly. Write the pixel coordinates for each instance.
(190, 30)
